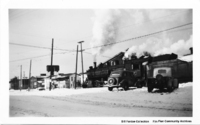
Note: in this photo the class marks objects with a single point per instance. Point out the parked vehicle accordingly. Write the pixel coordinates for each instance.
(122, 78)
(167, 74)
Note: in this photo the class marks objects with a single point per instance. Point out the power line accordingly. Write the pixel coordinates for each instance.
(115, 28)
(92, 54)
(134, 38)
(29, 58)
(18, 44)
(104, 44)
(37, 57)
(49, 55)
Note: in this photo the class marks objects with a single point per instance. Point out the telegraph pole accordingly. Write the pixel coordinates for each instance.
(20, 85)
(29, 76)
(82, 60)
(51, 71)
(76, 67)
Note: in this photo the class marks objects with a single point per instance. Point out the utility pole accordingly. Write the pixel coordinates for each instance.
(29, 86)
(82, 60)
(20, 85)
(51, 72)
(76, 67)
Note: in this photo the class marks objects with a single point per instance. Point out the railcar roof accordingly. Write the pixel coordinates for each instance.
(188, 58)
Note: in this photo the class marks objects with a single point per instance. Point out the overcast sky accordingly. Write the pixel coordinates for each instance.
(37, 27)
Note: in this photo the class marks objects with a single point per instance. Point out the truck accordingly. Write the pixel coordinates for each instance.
(168, 74)
(123, 78)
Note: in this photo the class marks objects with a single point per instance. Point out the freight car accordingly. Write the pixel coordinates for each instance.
(168, 74)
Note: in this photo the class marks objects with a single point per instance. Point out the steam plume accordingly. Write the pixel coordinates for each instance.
(108, 23)
(157, 47)
(105, 29)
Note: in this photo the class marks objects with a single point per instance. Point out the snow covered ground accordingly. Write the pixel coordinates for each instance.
(66, 91)
(101, 102)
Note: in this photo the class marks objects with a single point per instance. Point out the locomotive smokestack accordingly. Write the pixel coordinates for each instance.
(95, 64)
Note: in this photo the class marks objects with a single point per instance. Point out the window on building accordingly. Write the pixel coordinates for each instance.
(135, 66)
(112, 63)
(116, 62)
(108, 63)
(71, 78)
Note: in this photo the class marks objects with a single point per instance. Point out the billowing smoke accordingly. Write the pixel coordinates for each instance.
(109, 24)
(156, 47)
(104, 29)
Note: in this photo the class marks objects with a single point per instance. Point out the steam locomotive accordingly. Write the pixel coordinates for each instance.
(143, 69)
(98, 75)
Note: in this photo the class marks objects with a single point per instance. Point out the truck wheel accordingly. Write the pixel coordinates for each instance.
(150, 88)
(176, 84)
(96, 84)
(110, 88)
(126, 87)
(170, 85)
(161, 88)
(139, 84)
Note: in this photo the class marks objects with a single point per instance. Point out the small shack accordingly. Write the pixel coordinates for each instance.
(72, 81)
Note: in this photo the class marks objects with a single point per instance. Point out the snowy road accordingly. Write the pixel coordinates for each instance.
(99, 102)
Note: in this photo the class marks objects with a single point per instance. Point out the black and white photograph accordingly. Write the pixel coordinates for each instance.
(132, 63)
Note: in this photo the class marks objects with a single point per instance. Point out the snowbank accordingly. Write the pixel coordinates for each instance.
(65, 91)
